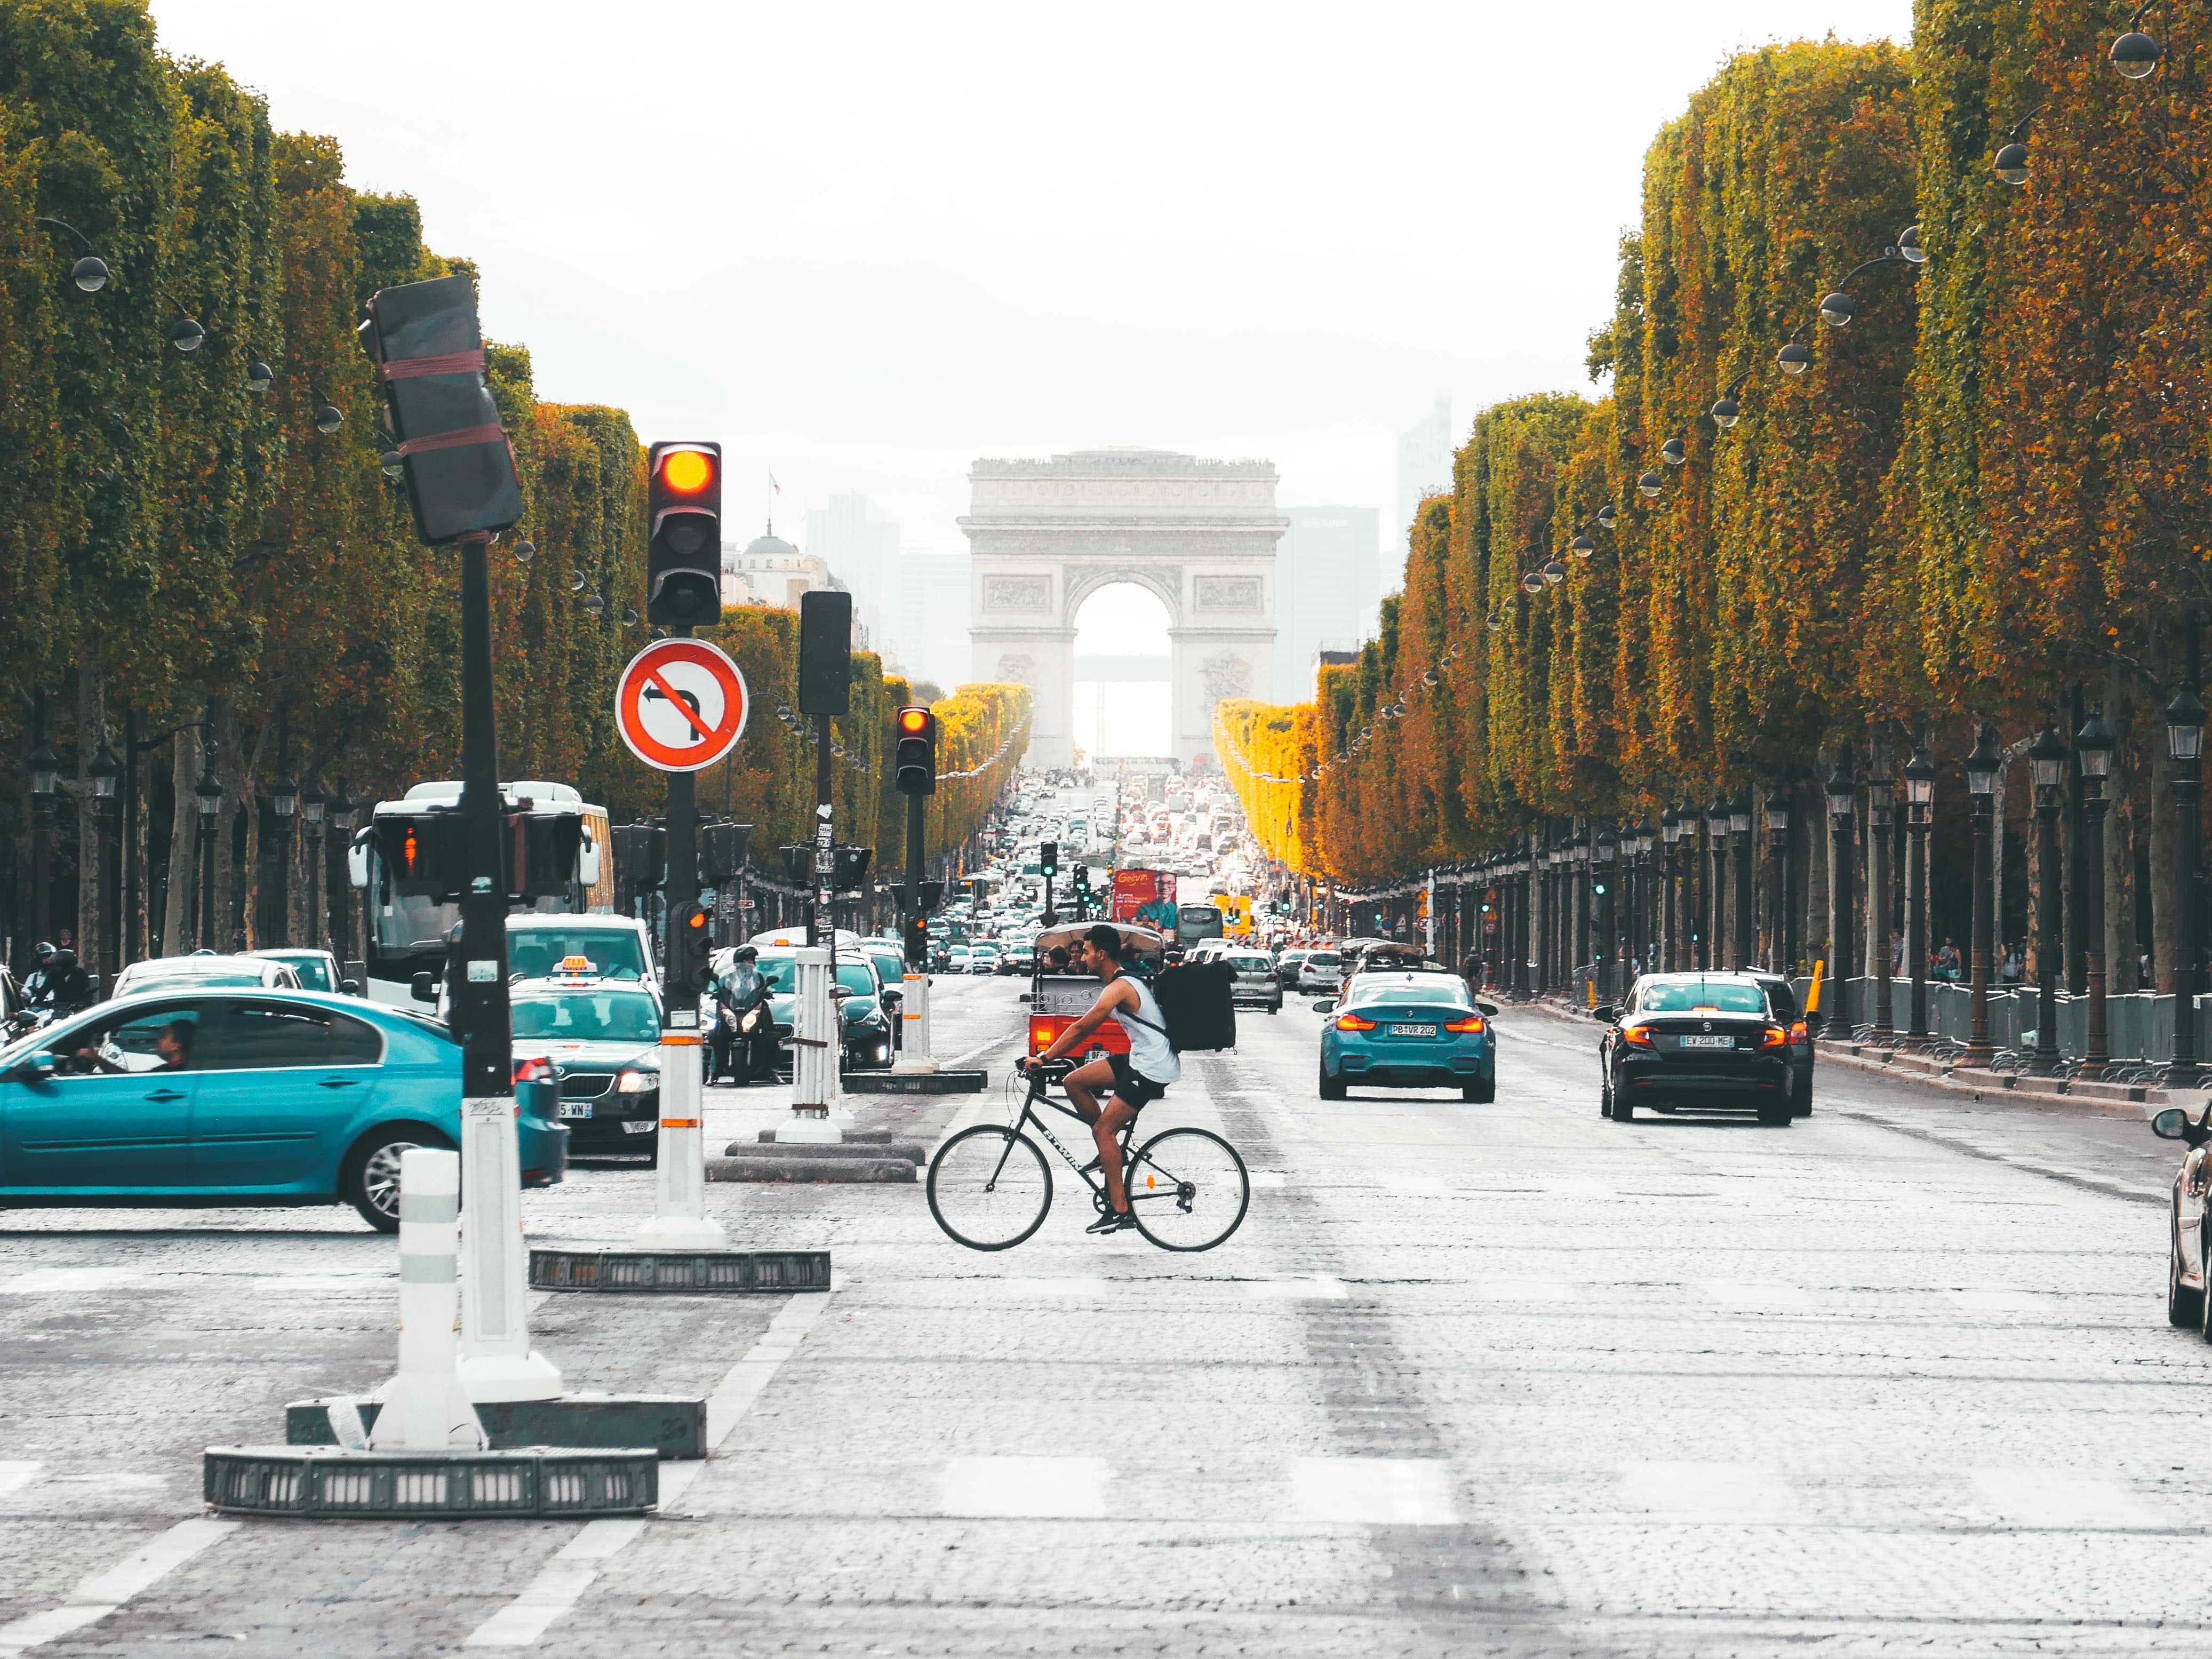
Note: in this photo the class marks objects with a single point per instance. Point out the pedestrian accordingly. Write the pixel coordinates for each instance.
(1947, 961)
(1896, 954)
(2009, 970)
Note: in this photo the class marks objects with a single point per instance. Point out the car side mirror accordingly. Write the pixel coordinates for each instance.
(350, 988)
(1326, 1005)
(893, 999)
(38, 1066)
(2172, 1124)
(423, 987)
(1489, 1008)
(1606, 1011)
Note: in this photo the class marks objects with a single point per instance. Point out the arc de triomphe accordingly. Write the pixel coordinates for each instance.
(1201, 535)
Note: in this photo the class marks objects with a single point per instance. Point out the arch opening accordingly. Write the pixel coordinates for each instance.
(1124, 688)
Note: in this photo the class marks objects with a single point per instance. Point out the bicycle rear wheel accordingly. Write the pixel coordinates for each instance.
(1188, 1189)
(990, 1187)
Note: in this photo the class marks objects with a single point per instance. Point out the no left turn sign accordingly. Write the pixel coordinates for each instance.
(681, 705)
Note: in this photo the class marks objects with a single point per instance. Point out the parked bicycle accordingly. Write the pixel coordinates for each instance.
(990, 1187)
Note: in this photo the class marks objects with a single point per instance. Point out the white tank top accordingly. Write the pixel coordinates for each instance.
(1150, 1056)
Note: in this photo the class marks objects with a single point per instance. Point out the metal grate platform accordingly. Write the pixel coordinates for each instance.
(768, 1273)
(329, 1483)
(914, 1083)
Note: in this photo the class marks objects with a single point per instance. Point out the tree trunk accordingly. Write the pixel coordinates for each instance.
(2118, 873)
(2163, 837)
(184, 830)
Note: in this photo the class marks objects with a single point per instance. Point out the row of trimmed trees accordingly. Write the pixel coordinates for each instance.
(1990, 487)
(183, 544)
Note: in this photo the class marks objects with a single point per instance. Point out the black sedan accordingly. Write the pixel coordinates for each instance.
(1697, 1040)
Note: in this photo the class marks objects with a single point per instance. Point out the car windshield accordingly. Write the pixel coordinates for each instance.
(1324, 959)
(781, 974)
(593, 1016)
(195, 976)
(538, 950)
(1439, 989)
(314, 971)
(1251, 964)
(1683, 996)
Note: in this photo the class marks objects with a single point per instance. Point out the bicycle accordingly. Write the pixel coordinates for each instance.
(990, 1187)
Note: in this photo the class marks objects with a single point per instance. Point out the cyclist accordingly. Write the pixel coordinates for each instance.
(1134, 1080)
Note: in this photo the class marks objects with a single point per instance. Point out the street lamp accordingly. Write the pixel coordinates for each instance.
(1983, 765)
(1739, 840)
(258, 374)
(2047, 759)
(101, 772)
(2185, 747)
(1606, 849)
(2093, 747)
(1841, 789)
(1919, 818)
(1673, 452)
(1878, 826)
(1717, 828)
(1650, 485)
(2135, 55)
(1670, 831)
(1794, 359)
(207, 795)
(89, 272)
(329, 417)
(1778, 878)
(45, 769)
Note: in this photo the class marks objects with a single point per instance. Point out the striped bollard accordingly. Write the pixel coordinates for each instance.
(679, 1220)
(426, 1408)
(816, 1048)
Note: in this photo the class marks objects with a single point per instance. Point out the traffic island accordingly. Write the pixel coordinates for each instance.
(665, 1424)
(914, 1083)
(682, 1273)
(314, 1482)
(831, 1164)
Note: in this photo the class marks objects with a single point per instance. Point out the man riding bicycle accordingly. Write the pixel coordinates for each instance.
(1133, 1079)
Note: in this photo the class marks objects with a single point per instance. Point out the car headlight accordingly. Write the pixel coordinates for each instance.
(638, 1082)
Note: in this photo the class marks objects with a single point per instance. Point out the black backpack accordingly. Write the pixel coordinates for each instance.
(1195, 1000)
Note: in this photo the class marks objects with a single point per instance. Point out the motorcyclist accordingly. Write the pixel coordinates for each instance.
(738, 992)
(34, 982)
(64, 986)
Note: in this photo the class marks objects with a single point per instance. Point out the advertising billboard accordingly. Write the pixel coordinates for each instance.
(1146, 896)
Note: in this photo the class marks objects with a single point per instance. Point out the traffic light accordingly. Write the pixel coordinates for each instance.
(640, 855)
(722, 849)
(826, 651)
(690, 949)
(1048, 858)
(915, 759)
(851, 866)
(454, 455)
(799, 862)
(426, 854)
(684, 551)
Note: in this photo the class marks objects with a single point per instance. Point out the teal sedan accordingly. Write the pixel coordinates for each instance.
(223, 1098)
(1408, 1030)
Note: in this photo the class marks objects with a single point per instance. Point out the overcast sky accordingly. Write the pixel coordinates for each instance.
(863, 244)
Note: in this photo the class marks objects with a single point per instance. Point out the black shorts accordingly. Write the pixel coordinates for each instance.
(1131, 1086)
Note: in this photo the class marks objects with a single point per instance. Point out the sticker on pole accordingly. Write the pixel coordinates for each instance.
(681, 705)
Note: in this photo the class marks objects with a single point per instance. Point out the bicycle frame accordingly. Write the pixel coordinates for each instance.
(1038, 1096)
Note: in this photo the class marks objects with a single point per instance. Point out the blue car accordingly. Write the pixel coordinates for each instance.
(1408, 1030)
(240, 1098)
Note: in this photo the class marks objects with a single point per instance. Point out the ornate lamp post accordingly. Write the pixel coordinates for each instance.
(1778, 956)
(1580, 942)
(1878, 809)
(1714, 915)
(284, 796)
(2092, 745)
(1842, 787)
(207, 794)
(1740, 839)
(45, 769)
(313, 803)
(1919, 818)
(2047, 756)
(2185, 747)
(1605, 957)
(1982, 768)
(102, 773)
(1645, 922)
(1670, 932)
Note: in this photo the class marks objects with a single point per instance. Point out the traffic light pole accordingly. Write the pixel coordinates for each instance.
(497, 1363)
(915, 1054)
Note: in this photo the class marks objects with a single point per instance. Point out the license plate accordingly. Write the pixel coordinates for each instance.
(1708, 1041)
(1413, 1030)
(580, 1108)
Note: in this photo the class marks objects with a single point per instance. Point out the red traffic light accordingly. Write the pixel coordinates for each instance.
(697, 921)
(914, 721)
(686, 472)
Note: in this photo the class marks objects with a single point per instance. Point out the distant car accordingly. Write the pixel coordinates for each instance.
(983, 957)
(317, 970)
(1322, 970)
(1255, 985)
(956, 959)
(864, 1013)
(602, 1039)
(1698, 1040)
(1287, 966)
(1408, 1031)
(1018, 958)
(199, 1095)
(205, 967)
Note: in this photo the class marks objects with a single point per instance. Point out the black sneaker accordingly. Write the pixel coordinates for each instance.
(1113, 1221)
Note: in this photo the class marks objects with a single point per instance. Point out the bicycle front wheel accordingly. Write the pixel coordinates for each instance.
(990, 1187)
(1188, 1189)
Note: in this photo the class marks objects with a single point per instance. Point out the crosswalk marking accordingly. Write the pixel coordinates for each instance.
(1026, 1488)
(1373, 1490)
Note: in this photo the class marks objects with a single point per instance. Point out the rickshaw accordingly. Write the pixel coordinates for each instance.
(1056, 1001)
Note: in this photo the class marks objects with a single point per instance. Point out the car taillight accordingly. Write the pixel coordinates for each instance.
(1043, 1033)
(1797, 1031)
(537, 1069)
(1773, 1037)
(1636, 1036)
(1354, 1022)
(1472, 1023)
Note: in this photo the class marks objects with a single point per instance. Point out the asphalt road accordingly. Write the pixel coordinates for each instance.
(1502, 1379)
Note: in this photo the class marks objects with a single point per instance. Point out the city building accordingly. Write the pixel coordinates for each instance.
(1425, 466)
(925, 615)
(862, 546)
(768, 570)
(1327, 571)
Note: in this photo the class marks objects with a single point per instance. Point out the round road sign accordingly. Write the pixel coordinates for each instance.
(681, 704)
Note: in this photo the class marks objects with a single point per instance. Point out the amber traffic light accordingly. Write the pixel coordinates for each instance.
(684, 554)
(915, 762)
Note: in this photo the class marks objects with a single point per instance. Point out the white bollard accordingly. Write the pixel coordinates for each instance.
(497, 1362)
(815, 1048)
(915, 1054)
(679, 1220)
(426, 1409)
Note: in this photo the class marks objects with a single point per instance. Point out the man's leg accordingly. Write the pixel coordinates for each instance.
(1106, 1132)
(1086, 1083)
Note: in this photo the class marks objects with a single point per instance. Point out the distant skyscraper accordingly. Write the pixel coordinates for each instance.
(926, 596)
(1425, 466)
(1325, 569)
(862, 546)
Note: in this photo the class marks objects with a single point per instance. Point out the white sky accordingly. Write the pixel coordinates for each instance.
(864, 244)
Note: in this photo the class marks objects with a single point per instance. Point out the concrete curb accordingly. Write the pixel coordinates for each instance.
(839, 1151)
(881, 1171)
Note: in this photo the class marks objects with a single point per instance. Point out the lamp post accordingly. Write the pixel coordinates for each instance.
(2047, 758)
(1919, 818)
(1982, 768)
(207, 795)
(284, 796)
(45, 769)
(2093, 747)
(102, 773)
(1841, 788)
(343, 805)
(1670, 831)
(1878, 810)
(1646, 923)
(2184, 748)
(1715, 917)
(1740, 839)
(1580, 944)
(313, 804)
(1777, 880)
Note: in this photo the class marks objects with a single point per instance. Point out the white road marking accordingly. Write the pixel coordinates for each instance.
(2060, 1498)
(41, 1281)
(1525, 1290)
(104, 1592)
(1026, 1488)
(1265, 1180)
(14, 1476)
(2001, 1301)
(1755, 1297)
(1712, 1492)
(1295, 1290)
(1373, 1490)
(562, 1582)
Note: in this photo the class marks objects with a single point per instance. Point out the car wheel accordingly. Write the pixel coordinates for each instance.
(1801, 1099)
(1331, 1088)
(1778, 1115)
(2185, 1307)
(368, 1176)
(1623, 1108)
(1482, 1091)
